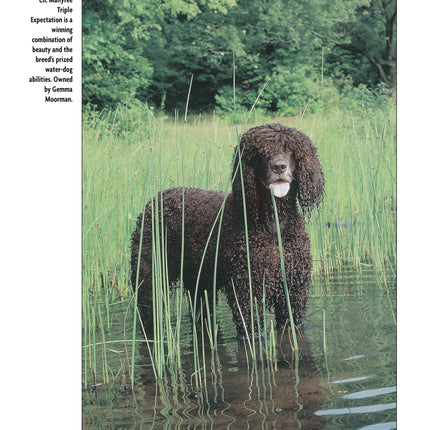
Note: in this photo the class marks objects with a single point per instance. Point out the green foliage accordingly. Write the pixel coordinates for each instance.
(146, 52)
(113, 64)
(364, 43)
(288, 92)
(362, 98)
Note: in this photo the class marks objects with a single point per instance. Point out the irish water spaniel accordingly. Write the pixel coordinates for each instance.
(268, 157)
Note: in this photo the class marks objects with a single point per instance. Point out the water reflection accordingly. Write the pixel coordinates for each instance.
(370, 393)
(343, 378)
(241, 394)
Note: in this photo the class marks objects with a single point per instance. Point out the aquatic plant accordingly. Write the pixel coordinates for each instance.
(124, 166)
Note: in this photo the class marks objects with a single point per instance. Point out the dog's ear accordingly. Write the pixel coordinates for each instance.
(308, 175)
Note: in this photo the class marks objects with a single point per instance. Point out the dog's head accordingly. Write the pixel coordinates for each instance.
(275, 171)
(281, 158)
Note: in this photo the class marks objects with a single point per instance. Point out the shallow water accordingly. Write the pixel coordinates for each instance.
(348, 384)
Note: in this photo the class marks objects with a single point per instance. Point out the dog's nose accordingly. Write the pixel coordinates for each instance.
(278, 164)
(280, 168)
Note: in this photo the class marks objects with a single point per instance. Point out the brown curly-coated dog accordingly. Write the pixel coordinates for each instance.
(269, 156)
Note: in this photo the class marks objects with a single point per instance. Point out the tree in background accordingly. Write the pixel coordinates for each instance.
(114, 67)
(145, 51)
(363, 41)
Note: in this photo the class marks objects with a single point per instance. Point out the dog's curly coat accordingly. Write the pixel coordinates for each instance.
(271, 156)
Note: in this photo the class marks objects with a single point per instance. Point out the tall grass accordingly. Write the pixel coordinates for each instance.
(129, 156)
(359, 159)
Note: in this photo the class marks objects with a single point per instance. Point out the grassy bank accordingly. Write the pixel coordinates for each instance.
(128, 156)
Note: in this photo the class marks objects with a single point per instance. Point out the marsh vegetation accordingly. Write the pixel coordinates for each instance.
(128, 156)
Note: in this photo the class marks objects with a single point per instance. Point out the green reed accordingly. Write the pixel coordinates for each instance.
(284, 276)
(359, 160)
(129, 156)
(239, 172)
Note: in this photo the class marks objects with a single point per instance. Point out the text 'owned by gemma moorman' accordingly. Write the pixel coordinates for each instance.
(52, 50)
